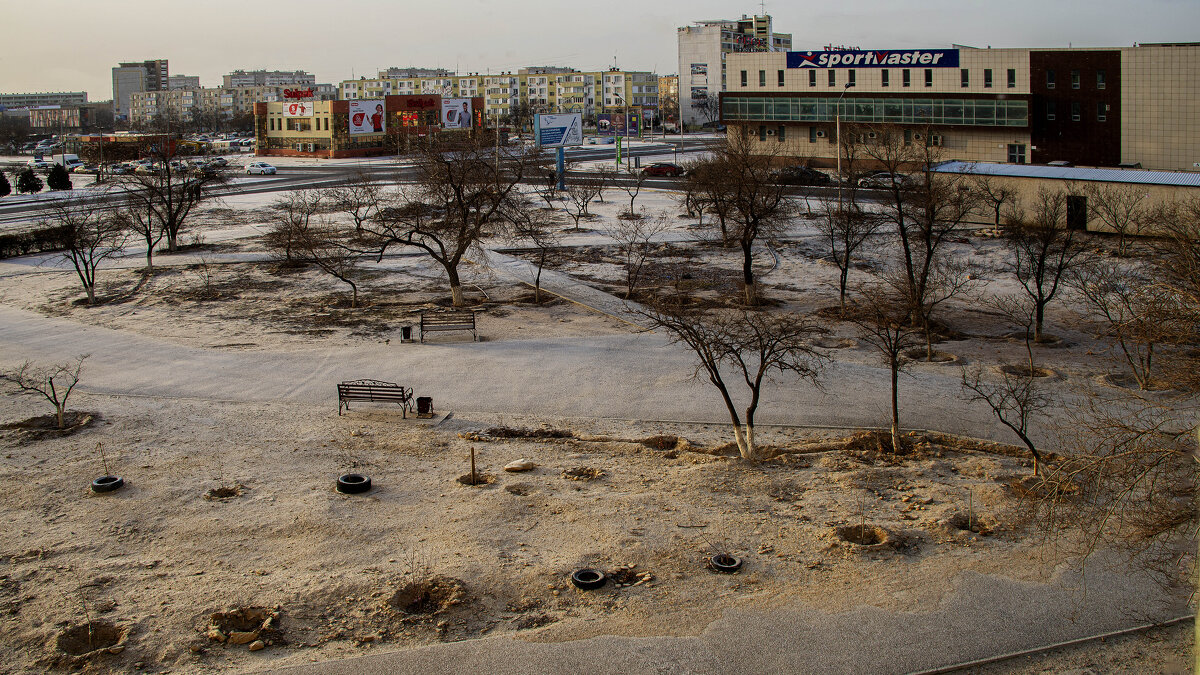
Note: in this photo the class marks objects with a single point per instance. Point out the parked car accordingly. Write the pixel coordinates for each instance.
(663, 169)
(218, 161)
(39, 164)
(119, 169)
(799, 175)
(882, 180)
(85, 168)
(259, 168)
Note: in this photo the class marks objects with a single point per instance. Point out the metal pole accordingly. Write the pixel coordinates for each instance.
(838, 140)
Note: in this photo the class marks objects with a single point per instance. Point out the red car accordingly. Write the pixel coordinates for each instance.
(663, 169)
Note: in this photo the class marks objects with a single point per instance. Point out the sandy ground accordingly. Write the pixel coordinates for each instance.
(648, 501)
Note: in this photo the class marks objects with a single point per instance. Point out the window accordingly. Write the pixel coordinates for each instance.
(762, 132)
(1012, 78)
(1016, 153)
(812, 78)
(1074, 79)
(832, 77)
(907, 77)
(1101, 112)
(1099, 79)
(908, 136)
(1050, 110)
(850, 77)
(272, 124)
(762, 78)
(987, 78)
(884, 77)
(779, 133)
(812, 134)
(1075, 111)
(781, 78)
(966, 78)
(744, 81)
(1049, 79)
(929, 77)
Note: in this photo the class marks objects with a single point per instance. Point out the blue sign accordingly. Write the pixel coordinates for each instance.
(875, 58)
(556, 131)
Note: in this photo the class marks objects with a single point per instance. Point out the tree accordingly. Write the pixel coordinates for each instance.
(708, 108)
(13, 133)
(538, 227)
(1135, 312)
(360, 197)
(54, 383)
(580, 193)
(1043, 251)
(5, 186)
(456, 201)
(709, 190)
(28, 182)
(631, 184)
(754, 346)
(58, 178)
(996, 195)
(295, 211)
(1120, 207)
(1014, 400)
(882, 320)
(169, 194)
(845, 227)
(635, 244)
(758, 206)
(91, 233)
(326, 247)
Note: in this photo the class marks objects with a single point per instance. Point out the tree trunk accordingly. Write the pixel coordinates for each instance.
(150, 258)
(1039, 312)
(456, 294)
(61, 414)
(91, 294)
(748, 275)
(895, 404)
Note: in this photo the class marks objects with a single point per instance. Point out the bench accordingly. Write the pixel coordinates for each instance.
(374, 390)
(448, 320)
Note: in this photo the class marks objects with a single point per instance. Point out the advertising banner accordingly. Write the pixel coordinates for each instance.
(618, 124)
(557, 131)
(367, 116)
(456, 113)
(875, 58)
(699, 73)
(297, 109)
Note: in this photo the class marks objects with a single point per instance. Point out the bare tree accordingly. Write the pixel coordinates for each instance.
(580, 193)
(1043, 251)
(1015, 400)
(882, 320)
(998, 196)
(360, 197)
(709, 190)
(709, 108)
(1020, 310)
(1120, 207)
(631, 184)
(635, 244)
(540, 228)
(1131, 308)
(845, 227)
(54, 383)
(751, 345)
(91, 233)
(331, 251)
(295, 211)
(169, 194)
(457, 201)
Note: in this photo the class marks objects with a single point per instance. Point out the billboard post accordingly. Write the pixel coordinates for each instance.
(558, 131)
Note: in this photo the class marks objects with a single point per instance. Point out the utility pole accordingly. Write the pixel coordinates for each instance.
(838, 135)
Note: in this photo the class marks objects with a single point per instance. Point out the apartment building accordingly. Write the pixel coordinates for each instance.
(229, 102)
(704, 47)
(130, 78)
(266, 78)
(183, 82)
(37, 99)
(1126, 106)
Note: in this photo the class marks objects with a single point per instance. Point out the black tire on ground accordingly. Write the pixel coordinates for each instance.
(724, 563)
(107, 483)
(588, 579)
(353, 483)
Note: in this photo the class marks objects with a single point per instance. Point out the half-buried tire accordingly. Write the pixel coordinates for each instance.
(588, 579)
(353, 483)
(107, 483)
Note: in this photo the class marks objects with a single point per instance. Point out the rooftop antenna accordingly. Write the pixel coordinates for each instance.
(763, 6)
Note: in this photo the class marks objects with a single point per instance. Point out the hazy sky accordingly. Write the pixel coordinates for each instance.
(60, 45)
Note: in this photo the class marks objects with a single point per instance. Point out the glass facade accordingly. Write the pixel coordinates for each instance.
(942, 111)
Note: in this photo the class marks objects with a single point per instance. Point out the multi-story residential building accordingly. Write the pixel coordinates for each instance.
(130, 78)
(1097, 107)
(267, 78)
(703, 49)
(183, 82)
(43, 99)
(539, 88)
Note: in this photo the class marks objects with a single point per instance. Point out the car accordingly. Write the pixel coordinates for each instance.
(663, 169)
(85, 168)
(883, 180)
(799, 175)
(39, 164)
(119, 169)
(218, 161)
(259, 168)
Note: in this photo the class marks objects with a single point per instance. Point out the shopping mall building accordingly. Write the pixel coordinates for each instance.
(1130, 106)
(302, 127)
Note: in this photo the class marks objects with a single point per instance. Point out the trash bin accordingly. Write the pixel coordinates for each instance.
(424, 406)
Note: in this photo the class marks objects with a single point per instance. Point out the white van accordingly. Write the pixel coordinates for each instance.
(68, 161)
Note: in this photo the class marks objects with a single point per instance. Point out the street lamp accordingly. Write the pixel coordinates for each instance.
(837, 117)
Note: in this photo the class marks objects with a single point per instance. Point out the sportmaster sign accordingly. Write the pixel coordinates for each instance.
(875, 58)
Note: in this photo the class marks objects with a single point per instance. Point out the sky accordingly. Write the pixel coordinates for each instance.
(72, 45)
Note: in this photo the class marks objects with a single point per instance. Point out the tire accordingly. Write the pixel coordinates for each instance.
(588, 579)
(107, 483)
(353, 483)
(725, 564)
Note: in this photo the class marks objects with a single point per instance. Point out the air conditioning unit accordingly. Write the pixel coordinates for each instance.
(821, 133)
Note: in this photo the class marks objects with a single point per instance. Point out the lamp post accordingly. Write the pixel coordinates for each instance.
(837, 117)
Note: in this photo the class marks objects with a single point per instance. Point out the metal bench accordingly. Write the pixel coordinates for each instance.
(374, 390)
(448, 320)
